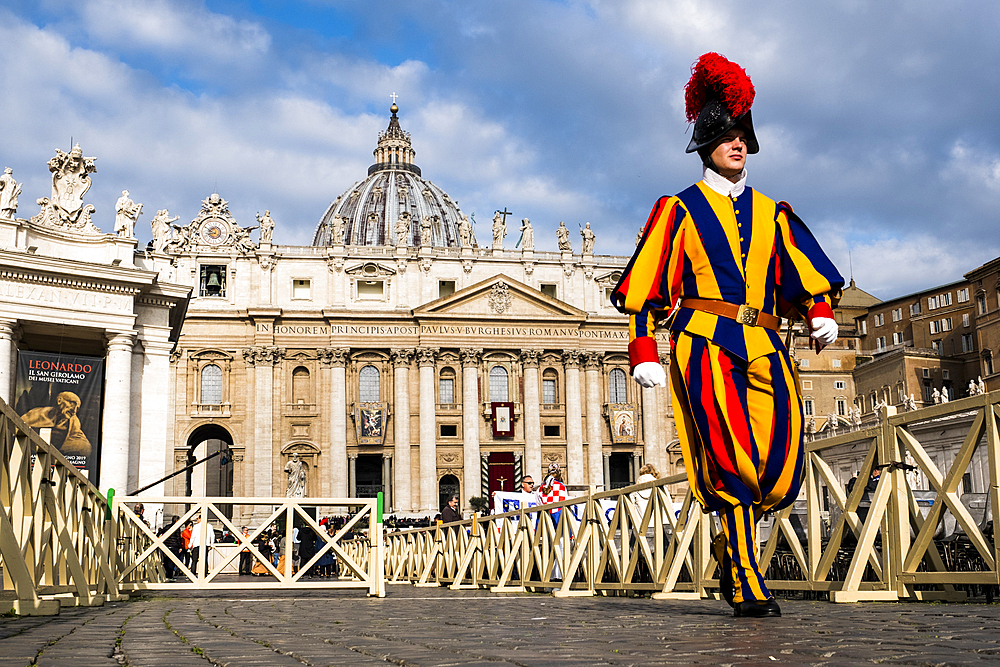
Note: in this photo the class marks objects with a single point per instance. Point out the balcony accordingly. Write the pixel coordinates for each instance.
(211, 410)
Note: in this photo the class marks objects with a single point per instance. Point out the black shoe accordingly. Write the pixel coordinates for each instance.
(727, 587)
(756, 609)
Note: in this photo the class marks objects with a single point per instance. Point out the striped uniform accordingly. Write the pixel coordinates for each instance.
(736, 403)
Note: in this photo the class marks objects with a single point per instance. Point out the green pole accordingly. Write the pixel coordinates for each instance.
(111, 500)
(378, 508)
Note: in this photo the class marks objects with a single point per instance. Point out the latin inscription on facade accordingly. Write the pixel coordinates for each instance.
(63, 297)
(444, 329)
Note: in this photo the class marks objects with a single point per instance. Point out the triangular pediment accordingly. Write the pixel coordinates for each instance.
(500, 297)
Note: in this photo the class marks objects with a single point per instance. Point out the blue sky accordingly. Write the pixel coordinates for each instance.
(876, 120)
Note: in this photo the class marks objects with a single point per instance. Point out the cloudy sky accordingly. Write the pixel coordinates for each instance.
(876, 119)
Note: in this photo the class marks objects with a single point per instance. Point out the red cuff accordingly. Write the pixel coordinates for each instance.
(642, 349)
(820, 309)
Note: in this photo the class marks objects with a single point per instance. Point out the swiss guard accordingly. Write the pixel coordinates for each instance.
(722, 263)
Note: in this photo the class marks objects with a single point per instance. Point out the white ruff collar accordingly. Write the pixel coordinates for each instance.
(723, 185)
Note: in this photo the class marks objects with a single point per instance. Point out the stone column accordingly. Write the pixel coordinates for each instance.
(352, 476)
(574, 417)
(135, 417)
(8, 338)
(263, 358)
(116, 424)
(651, 427)
(532, 418)
(337, 359)
(470, 424)
(427, 358)
(607, 471)
(401, 360)
(155, 449)
(593, 362)
(387, 483)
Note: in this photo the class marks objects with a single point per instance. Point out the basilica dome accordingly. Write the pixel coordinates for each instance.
(394, 199)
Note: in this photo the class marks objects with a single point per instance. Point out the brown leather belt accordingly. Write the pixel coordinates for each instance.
(743, 314)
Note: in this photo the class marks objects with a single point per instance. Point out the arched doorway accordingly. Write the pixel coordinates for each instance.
(213, 477)
(447, 487)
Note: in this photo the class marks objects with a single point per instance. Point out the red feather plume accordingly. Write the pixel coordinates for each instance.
(713, 76)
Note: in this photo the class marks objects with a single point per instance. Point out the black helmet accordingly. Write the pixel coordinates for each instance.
(718, 98)
(714, 121)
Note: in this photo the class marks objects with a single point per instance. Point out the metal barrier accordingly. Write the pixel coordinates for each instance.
(603, 544)
(56, 547)
(143, 553)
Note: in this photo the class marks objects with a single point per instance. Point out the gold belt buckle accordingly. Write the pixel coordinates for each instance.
(747, 315)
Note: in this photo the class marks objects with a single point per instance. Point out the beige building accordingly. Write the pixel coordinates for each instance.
(985, 284)
(397, 354)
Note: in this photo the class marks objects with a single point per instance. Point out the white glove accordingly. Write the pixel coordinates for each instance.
(824, 330)
(650, 374)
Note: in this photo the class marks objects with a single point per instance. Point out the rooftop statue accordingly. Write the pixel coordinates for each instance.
(126, 215)
(465, 231)
(266, 226)
(499, 230)
(161, 224)
(588, 240)
(9, 191)
(70, 181)
(562, 234)
(527, 241)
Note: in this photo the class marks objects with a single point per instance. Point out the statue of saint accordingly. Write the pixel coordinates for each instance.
(296, 472)
(465, 232)
(402, 230)
(982, 385)
(499, 230)
(527, 235)
(936, 395)
(266, 226)
(588, 240)
(161, 224)
(337, 225)
(563, 235)
(126, 214)
(425, 231)
(9, 192)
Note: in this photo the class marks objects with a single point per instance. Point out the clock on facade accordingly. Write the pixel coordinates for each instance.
(214, 232)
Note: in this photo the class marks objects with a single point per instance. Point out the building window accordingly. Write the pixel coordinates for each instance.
(879, 319)
(369, 385)
(937, 347)
(446, 386)
(803, 363)
(880, 344)
(211, 385)
(498, 384)
(967, 344)
(864, 326)
(807, 385)
(302, 289)
(445, 288)
(551, 430)
(915, 308)
(839, 384)
(946, 324)
(965, 319)
(835, 363)
(988, 362)
(963, 295)
(300, 385)
(371, 290)
(981, 303)
(841, 407)
(946, 299)
(616, 385)
(897, 338)
(935, 326)
(897, 314)
(548, 289)
(213, 280)
(807, 407)
(932, 302)
(449, 430)
(550, 382)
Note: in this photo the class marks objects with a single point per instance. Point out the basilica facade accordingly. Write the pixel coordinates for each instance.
(396, 354)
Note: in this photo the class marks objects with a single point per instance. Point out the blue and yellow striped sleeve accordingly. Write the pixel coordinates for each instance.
(810, 283)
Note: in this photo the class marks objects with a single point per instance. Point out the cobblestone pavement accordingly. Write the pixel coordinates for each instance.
(436, 626)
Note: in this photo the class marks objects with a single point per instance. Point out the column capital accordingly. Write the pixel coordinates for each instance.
(571, 358)
(530, 358)
(120, 341)
(665, 359)
(427, 356)
(593, 360)
(9, 329)
(334, 356)
(470, 356)
(263, 355)
(401, 357)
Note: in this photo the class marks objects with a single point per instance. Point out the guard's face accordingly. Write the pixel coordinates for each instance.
(729, 154)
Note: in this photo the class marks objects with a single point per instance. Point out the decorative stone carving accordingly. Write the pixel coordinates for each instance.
(337, 226)
(593, 360)
(527, 241)
(335, 264)
(470, 356)
(665, 359)
(638, 236)
(465, 232)
(70, 181)
(401, 356)
(262, 356)
(467, 265)
(402, 228)
(588, 240)
(425, 231)
(499, 230)
(267, 262)
(334, 356)
(499, 298)
(571, 358)
(296, 473)
(9, 192)
(126, 215)
(162, 229)
(426, 356)
(214, 227)
(425, 264)
(266, 226)
(562, 235)
(530, 358)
